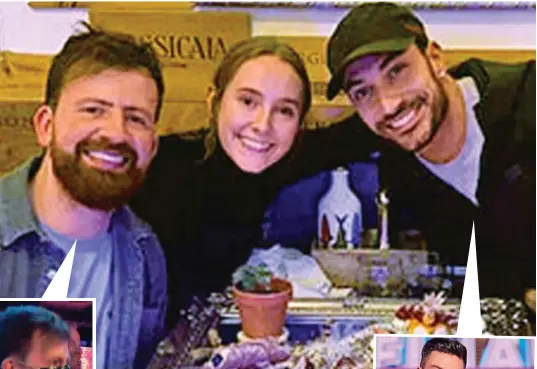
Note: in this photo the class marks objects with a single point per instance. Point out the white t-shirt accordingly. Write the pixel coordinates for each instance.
(463, 172)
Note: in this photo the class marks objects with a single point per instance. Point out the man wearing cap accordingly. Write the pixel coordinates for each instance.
(458, 145)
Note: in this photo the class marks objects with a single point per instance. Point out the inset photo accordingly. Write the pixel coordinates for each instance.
(448, 352)
(37, 333)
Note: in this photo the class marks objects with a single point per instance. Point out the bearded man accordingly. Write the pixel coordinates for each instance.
(97, 128)
(457, 144)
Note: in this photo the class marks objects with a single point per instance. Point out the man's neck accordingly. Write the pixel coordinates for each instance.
(448, 142)
(54, 207)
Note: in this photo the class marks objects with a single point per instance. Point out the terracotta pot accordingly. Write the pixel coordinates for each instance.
(263, 315)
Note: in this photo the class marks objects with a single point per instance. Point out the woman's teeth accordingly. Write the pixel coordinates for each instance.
(254, 144)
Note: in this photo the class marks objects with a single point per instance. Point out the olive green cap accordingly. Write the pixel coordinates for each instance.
(370, 28)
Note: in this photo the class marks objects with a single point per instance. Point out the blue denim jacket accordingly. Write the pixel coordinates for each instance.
(28, 262)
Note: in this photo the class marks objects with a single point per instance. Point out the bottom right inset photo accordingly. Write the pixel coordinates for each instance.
(451, 352)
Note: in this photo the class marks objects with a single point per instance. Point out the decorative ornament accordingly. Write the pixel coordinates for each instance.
(426, 317)
(340, 214)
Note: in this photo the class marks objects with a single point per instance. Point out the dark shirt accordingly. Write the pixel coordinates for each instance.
(208, 213)
(505, 218)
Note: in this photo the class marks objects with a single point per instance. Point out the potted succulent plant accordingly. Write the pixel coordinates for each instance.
(262, 301)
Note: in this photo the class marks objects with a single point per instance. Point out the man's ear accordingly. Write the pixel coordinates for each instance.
(42, 122)
(156, 143)
(436, 56)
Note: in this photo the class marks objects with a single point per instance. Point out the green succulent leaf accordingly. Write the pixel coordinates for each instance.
(253, 278)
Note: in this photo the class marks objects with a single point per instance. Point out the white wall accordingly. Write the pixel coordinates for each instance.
(24, 29)
(469, 28)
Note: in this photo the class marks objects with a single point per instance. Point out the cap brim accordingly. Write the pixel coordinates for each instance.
(398, 44)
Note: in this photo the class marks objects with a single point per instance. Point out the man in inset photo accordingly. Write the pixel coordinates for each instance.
(77, 315)
(443, 353)
(33, 337)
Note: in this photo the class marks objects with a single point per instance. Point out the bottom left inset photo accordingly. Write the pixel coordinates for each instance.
(37, 333)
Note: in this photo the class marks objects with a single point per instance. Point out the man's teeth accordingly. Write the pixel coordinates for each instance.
(255, 145)
(403, 120)
(107, 156)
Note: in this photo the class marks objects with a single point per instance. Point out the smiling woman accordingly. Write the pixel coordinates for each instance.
(260, 113)
(261, 93)
(206, 195)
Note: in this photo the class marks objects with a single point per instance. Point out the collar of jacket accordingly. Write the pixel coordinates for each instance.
(18, 219)
(499, 86)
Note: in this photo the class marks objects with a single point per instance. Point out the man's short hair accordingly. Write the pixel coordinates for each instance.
(92, 51)
(444, 345)
(18, 324)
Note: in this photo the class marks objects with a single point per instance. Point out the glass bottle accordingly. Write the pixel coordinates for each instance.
(339, 223)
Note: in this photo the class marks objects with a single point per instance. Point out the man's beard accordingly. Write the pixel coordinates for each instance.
(92, 187)
(439, 105)
(436, 101)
